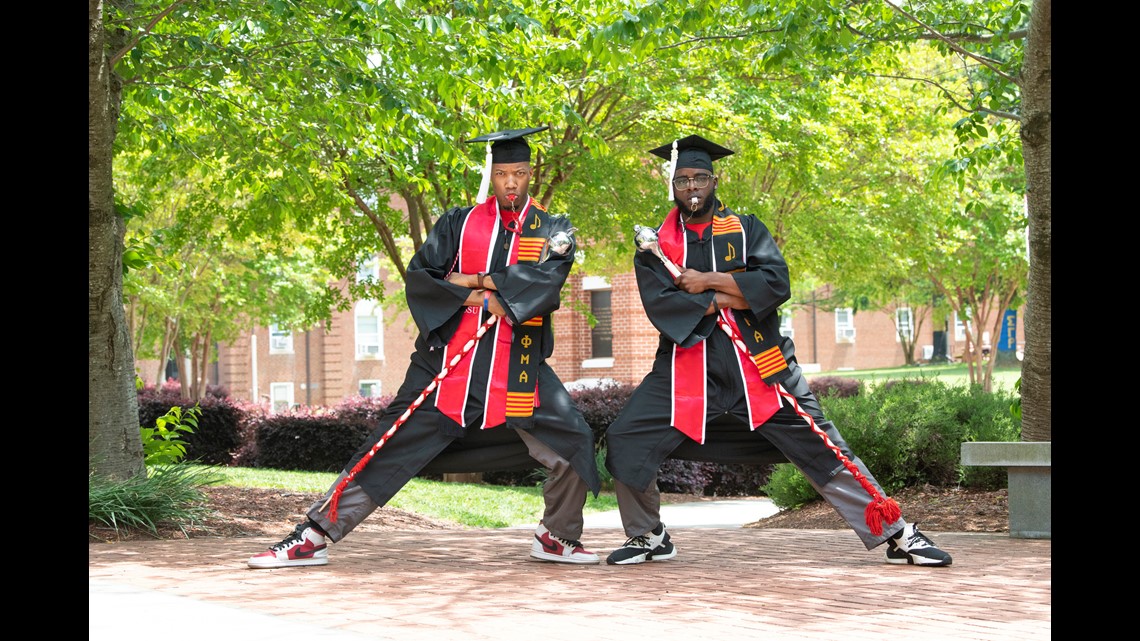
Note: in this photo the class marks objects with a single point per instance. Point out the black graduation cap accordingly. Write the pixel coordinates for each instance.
(509, 145)
(505, 146)
(689, 152)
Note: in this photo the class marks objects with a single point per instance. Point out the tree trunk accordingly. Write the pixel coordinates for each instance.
(114, 445)
(1037, 141)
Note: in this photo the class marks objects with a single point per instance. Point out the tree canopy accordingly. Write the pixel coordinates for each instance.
(261, 152)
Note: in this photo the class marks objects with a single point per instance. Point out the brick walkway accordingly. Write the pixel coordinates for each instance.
(479, 585)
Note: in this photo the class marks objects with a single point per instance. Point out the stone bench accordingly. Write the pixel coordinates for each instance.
(1029, 465)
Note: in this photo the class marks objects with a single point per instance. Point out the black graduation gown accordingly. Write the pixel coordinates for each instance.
(430, 442)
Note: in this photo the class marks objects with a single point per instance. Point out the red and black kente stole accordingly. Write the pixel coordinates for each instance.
(758, 369)
(512, 388)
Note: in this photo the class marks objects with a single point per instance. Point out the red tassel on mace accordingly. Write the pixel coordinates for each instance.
(879, 511)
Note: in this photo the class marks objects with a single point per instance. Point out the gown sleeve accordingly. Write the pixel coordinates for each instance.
(765, 283)
(533, 289)
(433, 301)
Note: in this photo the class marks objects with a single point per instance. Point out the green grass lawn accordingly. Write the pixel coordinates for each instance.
(470, 504)
(950, 373)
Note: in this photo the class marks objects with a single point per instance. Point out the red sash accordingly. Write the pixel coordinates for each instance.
(690, 363)
(475, 250)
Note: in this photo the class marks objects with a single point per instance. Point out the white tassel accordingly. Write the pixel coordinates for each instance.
(672, 169)
(485, 185)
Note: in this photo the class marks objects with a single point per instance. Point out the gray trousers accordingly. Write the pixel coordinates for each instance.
(641, 511)
(564, 494)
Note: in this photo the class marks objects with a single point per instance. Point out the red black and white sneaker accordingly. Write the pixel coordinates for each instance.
(305, 546)
(547, 547)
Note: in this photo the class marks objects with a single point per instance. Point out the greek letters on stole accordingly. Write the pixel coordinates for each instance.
(760, 369)
(512, 388)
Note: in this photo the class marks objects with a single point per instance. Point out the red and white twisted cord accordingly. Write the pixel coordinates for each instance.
(360, 465)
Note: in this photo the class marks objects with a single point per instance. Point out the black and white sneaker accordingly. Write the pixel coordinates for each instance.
(913, 548)
(651, 546)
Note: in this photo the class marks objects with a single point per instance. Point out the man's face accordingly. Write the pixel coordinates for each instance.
(510, 182)
(688, 179)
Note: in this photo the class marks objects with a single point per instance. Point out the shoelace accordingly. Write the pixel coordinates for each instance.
(918, 540)
(570, 543)
(295, 537)
(641, 541)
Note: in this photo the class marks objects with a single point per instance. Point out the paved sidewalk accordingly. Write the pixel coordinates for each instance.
(479, 585)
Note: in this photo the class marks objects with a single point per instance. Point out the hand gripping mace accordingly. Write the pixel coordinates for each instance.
(559, 243)
(881, 509)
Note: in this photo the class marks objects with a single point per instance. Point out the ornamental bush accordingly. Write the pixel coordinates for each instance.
(216, 436)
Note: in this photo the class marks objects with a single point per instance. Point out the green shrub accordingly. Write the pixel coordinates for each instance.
(910, 433)
(215, 437)
(788, 488)
(168, 493)
(162, 444)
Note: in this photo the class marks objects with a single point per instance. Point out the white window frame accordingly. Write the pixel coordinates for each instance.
(280, 340)
(373, 386)
(904, 327)
(844, 325)
(786, 328)
(369, 345)
(280, 397)
(959, 328)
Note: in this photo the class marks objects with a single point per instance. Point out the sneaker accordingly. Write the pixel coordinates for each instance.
(651, 546)
(547, 547)
(913, 548)
(305, 546)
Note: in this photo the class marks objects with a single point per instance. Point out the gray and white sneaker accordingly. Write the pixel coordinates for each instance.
(914, 548)
(651, 546)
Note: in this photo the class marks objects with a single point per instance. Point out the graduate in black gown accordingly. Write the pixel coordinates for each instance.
(725, 386)
(496, 268)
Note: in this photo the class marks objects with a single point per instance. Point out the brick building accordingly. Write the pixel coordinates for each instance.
(365, 351)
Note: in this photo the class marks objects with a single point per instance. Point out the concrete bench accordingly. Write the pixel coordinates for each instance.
(1029, 465)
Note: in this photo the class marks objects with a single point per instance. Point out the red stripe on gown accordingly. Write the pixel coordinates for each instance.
(453, 392)
(451, 397)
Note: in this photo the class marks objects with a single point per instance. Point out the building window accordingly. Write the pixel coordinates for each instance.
(369, 330)
(281, 396)
(786, 328)
(368, 268)
(844, 325)
(959, 328)
(601, 334)
(280, 340)
(369, 389)
(904, 324)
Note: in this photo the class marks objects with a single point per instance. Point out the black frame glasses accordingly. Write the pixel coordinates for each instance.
(700, 181)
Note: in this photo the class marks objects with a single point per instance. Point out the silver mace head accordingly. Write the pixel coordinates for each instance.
(645, 238)
(558, 243)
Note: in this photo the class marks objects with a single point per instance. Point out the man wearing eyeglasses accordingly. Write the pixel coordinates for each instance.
(725, 386)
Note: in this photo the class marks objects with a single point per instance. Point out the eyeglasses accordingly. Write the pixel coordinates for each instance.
(700, 181)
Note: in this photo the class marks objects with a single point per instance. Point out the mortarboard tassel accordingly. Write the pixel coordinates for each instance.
(672, 168)
(485, 184)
